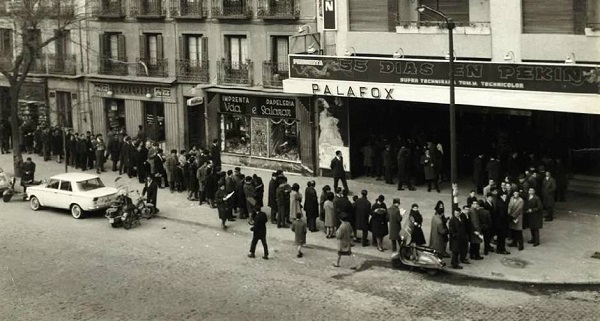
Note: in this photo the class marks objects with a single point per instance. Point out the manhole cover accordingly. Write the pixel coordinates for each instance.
(514, 263)
(596, 255)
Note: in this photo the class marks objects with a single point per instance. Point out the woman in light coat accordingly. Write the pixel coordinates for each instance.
(438, 237)
(295, 200)
(515, 215)
(330, 217)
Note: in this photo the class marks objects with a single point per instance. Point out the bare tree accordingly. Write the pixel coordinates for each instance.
(30, 18)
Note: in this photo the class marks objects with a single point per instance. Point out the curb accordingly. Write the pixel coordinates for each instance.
(460, 273)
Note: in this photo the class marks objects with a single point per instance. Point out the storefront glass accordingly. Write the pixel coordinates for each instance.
(115, 113)
(284, 139)
(155, 121)
(235, 131)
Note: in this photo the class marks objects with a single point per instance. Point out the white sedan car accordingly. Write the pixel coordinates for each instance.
(77, 192)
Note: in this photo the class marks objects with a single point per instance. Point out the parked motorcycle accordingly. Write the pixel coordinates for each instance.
(10, 192)
(146, 210)
(415, 256)
(123, 212)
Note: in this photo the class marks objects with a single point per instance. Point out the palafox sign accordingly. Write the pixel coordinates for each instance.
(581, 79)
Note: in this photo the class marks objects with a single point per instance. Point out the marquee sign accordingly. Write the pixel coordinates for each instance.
(267, 107)
(509, 76)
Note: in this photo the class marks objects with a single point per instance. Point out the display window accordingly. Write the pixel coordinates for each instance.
(155, 121)
(115, 113)
(235, 133)
(284, 142)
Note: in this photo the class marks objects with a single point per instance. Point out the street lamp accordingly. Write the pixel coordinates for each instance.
(453, 169)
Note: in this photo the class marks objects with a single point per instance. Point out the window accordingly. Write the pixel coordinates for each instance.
(64, 109)
(151, 48)
(284, 139)
(65, 186)
(281, 49)
(235, 131)
(193, 49)
(155, 121)
(115, 113)
(113, 49)
(6, 47)
(455, 9)
(238, 50)
(369, 15)
(53, 184)
(90, 184)
(555, 16)
(62, 45)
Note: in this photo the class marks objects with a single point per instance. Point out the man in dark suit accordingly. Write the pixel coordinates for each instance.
(272, 199)
(534, 218)
(337, 167)
(459, 241)
(363, 212)
(215, 154)
(159, 168)
(259, 233)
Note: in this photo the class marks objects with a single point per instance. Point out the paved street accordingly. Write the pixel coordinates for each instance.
(57, 268)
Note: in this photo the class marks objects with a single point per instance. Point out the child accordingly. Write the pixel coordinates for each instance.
(299, 229)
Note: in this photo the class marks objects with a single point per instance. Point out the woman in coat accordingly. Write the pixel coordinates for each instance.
(222, 205)
(438, 237)
(379, 222)
(259, 190)
(326, 190)
(515, 215)
(429, 170)
(295, 200)
(311, 206)
(415, 219)
(395, 217)
(329, 213)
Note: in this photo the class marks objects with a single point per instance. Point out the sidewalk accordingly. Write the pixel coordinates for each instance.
(564, 257)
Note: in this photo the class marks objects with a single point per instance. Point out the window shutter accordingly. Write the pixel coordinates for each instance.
(455, 9)
(204, 50)
(368, 15)
(159, 48)
(143, 46)
(554, 16)
(122, 48)
(102, 43)
(182, 51)
(227, 48)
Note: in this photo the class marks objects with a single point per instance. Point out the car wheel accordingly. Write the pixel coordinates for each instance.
(34, 203)
(115, 225)
(76, 211)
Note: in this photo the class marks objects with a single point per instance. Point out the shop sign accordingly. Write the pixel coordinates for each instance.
(274, 107)
(373, 92)
(473, 74)
(329, 15)
(132, 89)
(195, 101)
(235, 104)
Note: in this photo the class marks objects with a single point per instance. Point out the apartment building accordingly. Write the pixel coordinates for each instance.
(54, 92)
(526, 76)
(190, 71)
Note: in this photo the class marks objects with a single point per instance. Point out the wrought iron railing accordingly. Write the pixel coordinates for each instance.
(109, 66)
(231, 9)
(442, 24)
(109, 9)
(235, 73)
(190, 9)
(192, 70)
(63, 65)
(147, 9)
(274, 73)
(278, 9)
(153, 67)
(61, 9)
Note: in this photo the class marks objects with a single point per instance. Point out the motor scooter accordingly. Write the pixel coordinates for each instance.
(421, 257)
(10, 191)
(123, 212)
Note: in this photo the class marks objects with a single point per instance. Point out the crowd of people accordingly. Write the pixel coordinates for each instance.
(491, 215)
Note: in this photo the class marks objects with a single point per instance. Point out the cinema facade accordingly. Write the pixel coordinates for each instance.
(543, 108)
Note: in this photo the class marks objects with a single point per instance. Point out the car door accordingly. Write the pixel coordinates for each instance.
(49, 195)
(65, 194)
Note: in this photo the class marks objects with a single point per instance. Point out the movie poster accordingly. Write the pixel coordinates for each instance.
(333, 131)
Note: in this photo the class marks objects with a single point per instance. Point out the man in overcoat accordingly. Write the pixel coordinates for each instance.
(272, 197)
(362, 215)
(534, 218)
(459, 240)
(478, 176)
(283, 202)
(395, 223)
(475, 235)
(548, 194)
(311, 206)
(404, 168)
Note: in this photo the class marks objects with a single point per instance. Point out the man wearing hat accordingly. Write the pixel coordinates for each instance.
(362, 215)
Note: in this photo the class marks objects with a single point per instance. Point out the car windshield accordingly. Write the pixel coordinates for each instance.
(90, 184)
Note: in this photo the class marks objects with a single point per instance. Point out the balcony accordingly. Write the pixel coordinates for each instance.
(61, 9)
(192, 70)
(154, 67)
(108, 66)
(39, 65)
(62, 65)
(235, 73)
(231, 9)
(278, 9)
(189, 9)
(147, 9)
(274, 73)
(109, 9)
